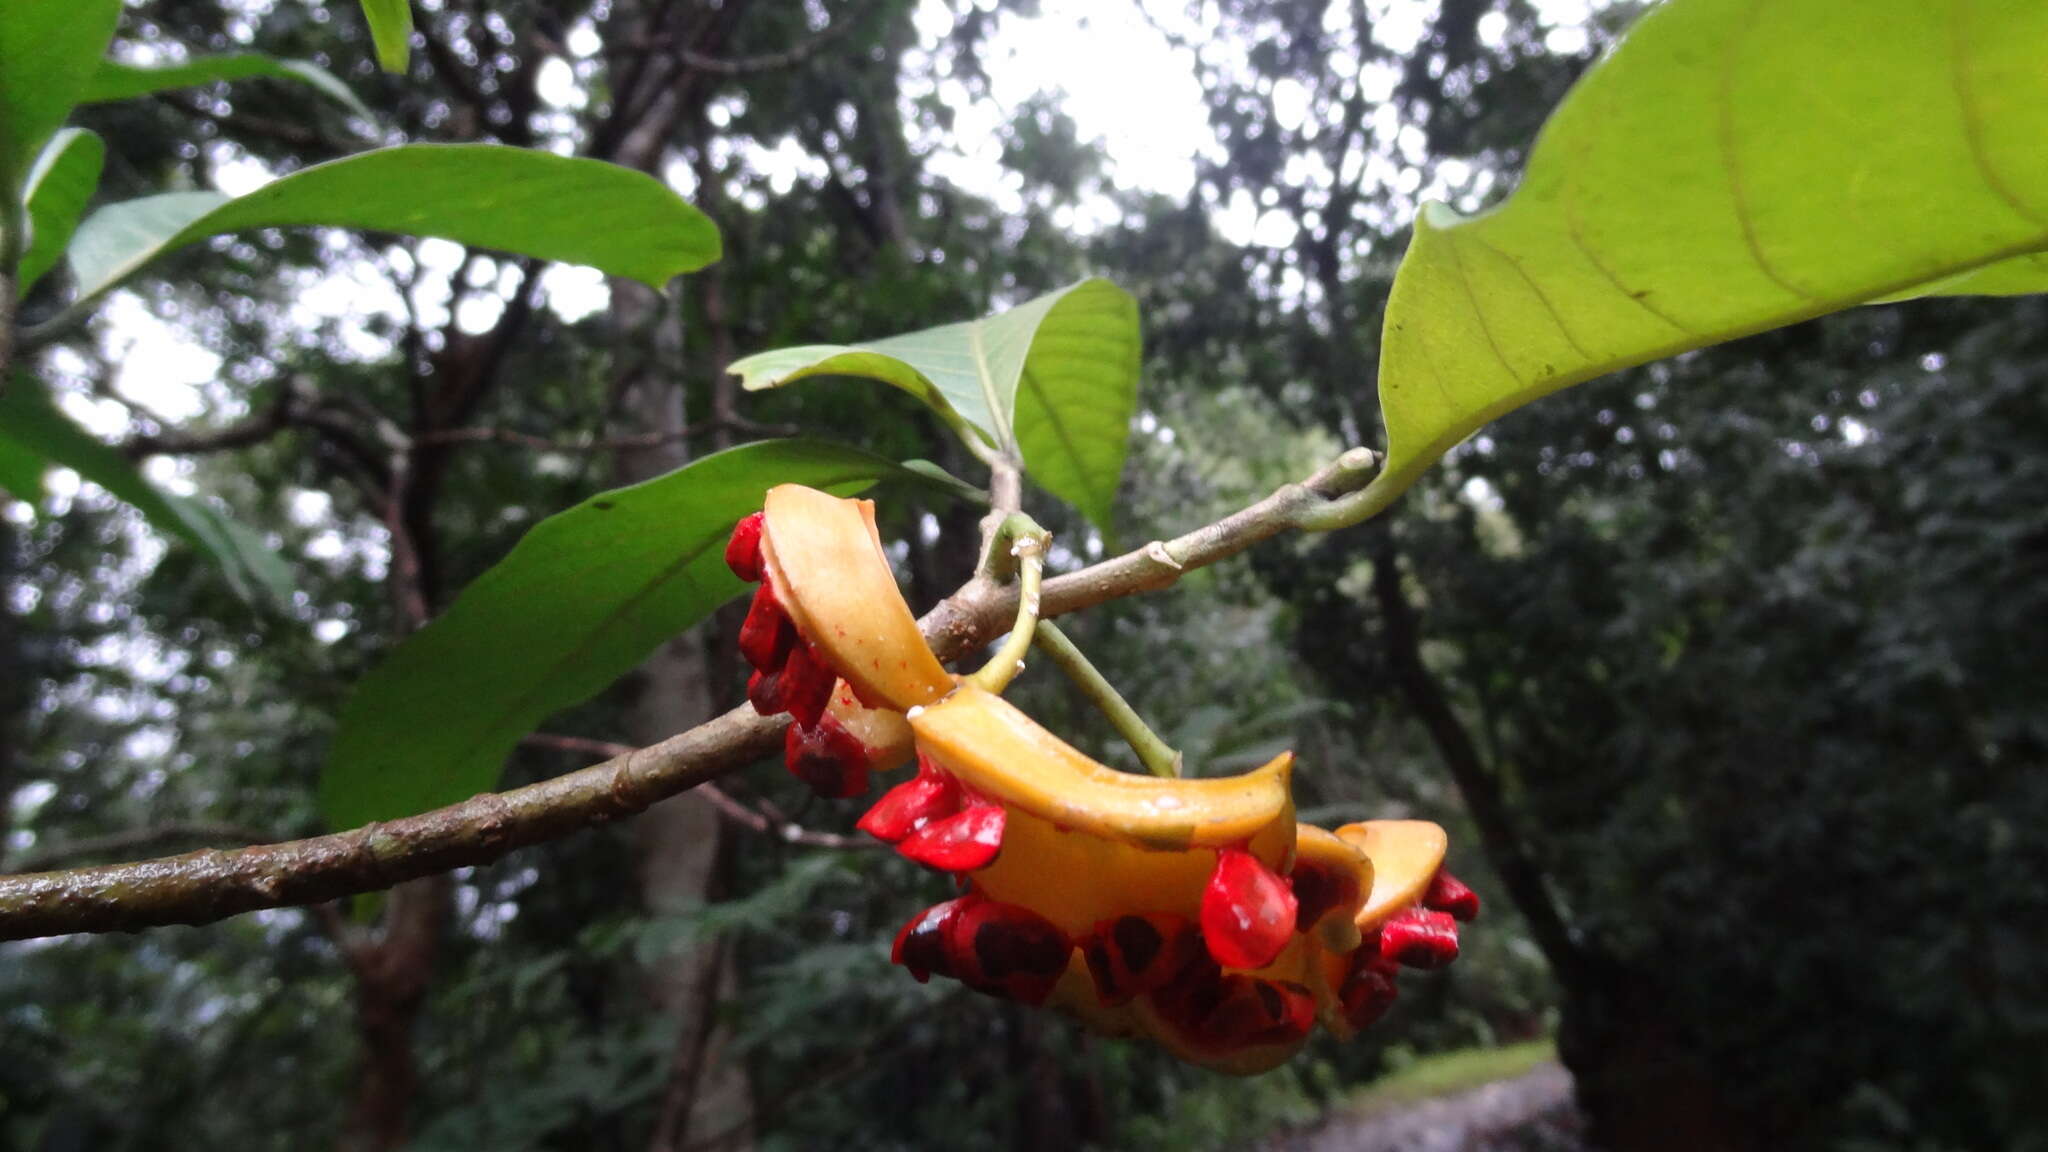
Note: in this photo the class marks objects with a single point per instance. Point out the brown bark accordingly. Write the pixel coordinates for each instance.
(1638, 1077)
(393, 970)
(678, 841)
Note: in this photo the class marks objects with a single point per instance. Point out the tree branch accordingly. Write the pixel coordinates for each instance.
(201, 887)
(766, 823)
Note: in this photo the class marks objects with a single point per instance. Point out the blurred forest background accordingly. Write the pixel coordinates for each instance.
(1725, 673)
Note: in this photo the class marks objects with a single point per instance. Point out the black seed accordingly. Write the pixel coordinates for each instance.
(1103, 969)
(1032, 949)
(1315, 892)
(1269, 999)
(1138, 940)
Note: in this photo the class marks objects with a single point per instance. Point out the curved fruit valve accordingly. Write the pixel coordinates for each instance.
(829, 637)
(1408, 919)
(1139, 904)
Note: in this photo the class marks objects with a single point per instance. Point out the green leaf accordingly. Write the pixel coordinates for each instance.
(1052, 381)
(21, 469)
(391, 30)
(59, 184)
(564, 208)
(1077, 394)
(116, 80)
(48, 50)
(35, 435)
(1734, 166)
(579, 602)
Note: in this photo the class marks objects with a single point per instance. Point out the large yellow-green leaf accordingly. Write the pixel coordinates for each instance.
(578, 211)
(1053, 381)
(48, 50)
(580, 601)
(1733, 166)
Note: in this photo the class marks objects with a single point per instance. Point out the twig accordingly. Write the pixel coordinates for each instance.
(766, 821)
(201, 887)
(1027, 544)
(1157, 755)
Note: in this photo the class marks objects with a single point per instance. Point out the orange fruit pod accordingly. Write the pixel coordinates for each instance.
(829, 637)
(1196, 912)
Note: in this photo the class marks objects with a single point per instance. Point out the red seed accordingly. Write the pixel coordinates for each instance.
(806, 684)
(827, 757)
(1248, 912)
(1368, 990)
(767, 635)
(743, 551)
(930, 795)
(1420, 938)
(962, 842)
(1133, 955)
(1251, 1012)
(1449, 894)
(921, 944)
(1006, 950)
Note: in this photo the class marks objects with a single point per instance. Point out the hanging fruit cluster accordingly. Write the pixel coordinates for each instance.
(1197, 912)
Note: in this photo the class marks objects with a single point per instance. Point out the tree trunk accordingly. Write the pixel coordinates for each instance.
(393, 971)
(1638, 1079)
(679, 842)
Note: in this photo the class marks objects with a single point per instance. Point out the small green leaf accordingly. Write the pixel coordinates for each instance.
(931, 476)
(391, 30)
(116, 80)
(564, 208)
(48, 50)
(35, 435)
(1053, 381)
(1077, 394)
(58, 186)
(579, 601)
(1732, 167)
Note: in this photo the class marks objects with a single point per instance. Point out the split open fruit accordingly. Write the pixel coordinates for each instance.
(1197, 912)
(829, 637)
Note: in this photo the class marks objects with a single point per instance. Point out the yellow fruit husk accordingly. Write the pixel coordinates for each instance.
(1003, 754)
(1405, 857)
(885, 734)
(823, 555)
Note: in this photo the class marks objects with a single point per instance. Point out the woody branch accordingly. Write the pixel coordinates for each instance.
(201, 887)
